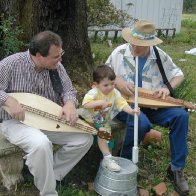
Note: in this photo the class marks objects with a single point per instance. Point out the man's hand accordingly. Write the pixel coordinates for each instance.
(162, 93)
(126, 88)
(16, 110)
(70, 112)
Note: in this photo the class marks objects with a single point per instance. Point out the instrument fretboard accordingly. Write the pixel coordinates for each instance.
(54, 117)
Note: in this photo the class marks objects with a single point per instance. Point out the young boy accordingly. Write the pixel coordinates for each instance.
(100, 105)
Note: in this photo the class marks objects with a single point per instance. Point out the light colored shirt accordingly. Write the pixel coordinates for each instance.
(122, 62)
(114, 98)
(18, 74)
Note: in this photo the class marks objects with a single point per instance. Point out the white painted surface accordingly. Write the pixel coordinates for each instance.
(163, 13)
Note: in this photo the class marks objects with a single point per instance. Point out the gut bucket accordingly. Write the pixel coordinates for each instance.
(122, 183)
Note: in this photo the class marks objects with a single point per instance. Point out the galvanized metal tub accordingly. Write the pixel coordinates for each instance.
(122, 183)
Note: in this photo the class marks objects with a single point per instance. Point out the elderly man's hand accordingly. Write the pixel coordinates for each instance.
(162, 93)
(126, 88)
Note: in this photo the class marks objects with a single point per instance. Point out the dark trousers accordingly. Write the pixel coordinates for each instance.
(176, 119)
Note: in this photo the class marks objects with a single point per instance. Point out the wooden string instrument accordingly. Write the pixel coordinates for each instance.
(147, 99)
(42, 113)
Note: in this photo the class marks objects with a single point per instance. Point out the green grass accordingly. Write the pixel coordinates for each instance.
(189, 17)
(189, 21)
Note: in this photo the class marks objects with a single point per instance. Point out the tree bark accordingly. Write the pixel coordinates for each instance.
(68, 18)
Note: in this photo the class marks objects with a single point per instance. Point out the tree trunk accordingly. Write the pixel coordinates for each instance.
(68, 18)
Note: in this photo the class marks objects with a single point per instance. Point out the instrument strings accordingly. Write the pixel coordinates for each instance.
(187, 104)
(53, 117)
(148, 95)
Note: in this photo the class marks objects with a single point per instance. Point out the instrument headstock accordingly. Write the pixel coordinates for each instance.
(104, 135)
(190, 106)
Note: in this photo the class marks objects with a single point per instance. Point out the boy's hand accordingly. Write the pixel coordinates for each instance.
(136, 111)
(104, 104)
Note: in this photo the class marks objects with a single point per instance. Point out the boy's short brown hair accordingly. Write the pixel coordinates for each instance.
(101, 72)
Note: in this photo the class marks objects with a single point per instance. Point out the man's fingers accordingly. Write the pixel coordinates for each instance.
(19, 116)
(60, 115)
(72, 118)
(129, 91)
(162, 93)
(158, 94)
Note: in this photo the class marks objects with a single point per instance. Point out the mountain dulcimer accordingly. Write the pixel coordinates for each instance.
(146, 98)
(42, 113)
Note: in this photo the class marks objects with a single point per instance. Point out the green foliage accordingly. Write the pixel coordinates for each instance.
(189, 6)
(102, 13)
(100, 52)
(73, 191)
(10, 34)
(183, 91)
(184, 37)
(188, 32)
(68, 191)
(189, 16)
(189, 23)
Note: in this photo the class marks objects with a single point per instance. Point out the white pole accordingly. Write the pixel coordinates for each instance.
(135, 147)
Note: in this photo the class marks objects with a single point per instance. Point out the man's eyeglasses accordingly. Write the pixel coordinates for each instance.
(62, 53)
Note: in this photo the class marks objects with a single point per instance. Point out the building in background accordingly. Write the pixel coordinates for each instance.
(165, 14)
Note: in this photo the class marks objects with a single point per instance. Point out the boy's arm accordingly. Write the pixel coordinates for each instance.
(95, 104)
(131, 111)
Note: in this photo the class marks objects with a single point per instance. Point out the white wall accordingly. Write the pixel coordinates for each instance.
(163, 13)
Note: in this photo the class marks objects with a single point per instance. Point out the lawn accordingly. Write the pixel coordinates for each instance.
(189, 17)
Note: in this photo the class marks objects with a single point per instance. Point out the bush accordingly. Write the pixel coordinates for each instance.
(10, 37)
(102, 13)
(184, 37)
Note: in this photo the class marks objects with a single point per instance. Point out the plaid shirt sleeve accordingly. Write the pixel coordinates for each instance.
(4, 79)
(69, 92)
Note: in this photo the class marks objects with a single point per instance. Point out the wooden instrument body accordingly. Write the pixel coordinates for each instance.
(45, 115)
(148, 99)
(152, 103)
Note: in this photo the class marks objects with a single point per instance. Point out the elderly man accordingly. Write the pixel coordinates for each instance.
(140, 41)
